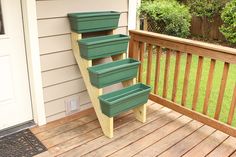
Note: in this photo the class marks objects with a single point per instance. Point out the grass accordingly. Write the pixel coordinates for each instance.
(215, 88)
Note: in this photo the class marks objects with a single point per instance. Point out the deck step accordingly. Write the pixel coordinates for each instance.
(103, 46)
(114, 72)
(125, 99)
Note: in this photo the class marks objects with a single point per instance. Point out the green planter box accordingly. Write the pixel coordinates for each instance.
(110, 73)
(104, 46)
(125, 99)
(93, 21)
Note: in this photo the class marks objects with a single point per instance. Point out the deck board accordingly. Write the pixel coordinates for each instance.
(166, 133)
(152, 138)
(170, 140)
(186, 144)
(207, 145)
(133, 136)
(233, 154)
(96, 133)
(226, 148)
(101, 141)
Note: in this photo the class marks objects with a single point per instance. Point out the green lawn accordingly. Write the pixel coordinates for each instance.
(216, 83)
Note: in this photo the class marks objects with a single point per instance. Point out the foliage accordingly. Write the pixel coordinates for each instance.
(173, 17)
(205, 8)
(229, 18)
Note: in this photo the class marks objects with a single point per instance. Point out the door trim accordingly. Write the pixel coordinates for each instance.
(33, 60)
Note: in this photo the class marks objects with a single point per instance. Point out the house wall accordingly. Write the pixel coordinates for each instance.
(60, 74)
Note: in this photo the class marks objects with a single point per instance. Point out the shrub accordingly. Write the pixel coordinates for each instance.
(173, 17)
(205, 8)
(229, 18)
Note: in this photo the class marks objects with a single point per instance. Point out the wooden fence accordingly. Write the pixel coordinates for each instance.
(200, 26)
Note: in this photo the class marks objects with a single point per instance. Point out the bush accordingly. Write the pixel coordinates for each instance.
(229, 18)
(205, 8)
(173, 17)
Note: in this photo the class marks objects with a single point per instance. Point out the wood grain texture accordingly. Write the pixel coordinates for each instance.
(189, 142)
(140, 112)
(172, 139)
(195, 115)
(122, 121)
(165, 131)
(157, 71)
(226, 148)
(207, 145)
(60, 122)
(166, 74)
(212, 51)
(149, 65)
(222, 90)
(132, 137)
(197, 82)
(120, 132)
(151, 139)
(105, 122)
(176, 75)
(232, 107)
(186, 78)
(141, 59)
(209, 86)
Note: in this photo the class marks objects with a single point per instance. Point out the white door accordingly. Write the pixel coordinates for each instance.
(15, 101)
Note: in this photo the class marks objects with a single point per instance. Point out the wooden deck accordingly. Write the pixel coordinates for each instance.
(166, 133)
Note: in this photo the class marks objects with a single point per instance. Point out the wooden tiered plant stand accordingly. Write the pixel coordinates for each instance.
(105, 121)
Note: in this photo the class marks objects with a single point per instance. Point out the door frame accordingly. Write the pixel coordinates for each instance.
(33, 60)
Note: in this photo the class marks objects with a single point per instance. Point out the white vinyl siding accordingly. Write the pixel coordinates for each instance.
(60, 74)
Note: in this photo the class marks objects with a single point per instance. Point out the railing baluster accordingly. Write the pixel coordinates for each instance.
(209, 86)
(157, 74)
(222, 90)
(198, 81)
(186, 78)
(166, 75)
(232, 107)
(149, 65)
(141, 58)
(176, 75)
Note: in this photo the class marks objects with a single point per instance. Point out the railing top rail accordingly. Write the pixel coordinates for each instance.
(189, 42)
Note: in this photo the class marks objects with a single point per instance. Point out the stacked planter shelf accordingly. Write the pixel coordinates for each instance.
(132, 96)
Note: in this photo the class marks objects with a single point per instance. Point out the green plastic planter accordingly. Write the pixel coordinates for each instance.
(110, 73)
(125, 99)
(93, 21)
(103, 46)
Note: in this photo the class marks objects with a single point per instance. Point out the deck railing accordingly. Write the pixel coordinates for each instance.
(149, 48)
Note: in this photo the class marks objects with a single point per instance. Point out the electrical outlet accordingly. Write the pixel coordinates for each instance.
(72, 106)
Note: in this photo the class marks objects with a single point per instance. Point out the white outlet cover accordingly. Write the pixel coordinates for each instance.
(72, 106)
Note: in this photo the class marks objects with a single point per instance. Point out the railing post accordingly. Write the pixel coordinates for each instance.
(133, 48)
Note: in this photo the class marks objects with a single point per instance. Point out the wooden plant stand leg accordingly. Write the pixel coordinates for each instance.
(105, 122)
(140, 112)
